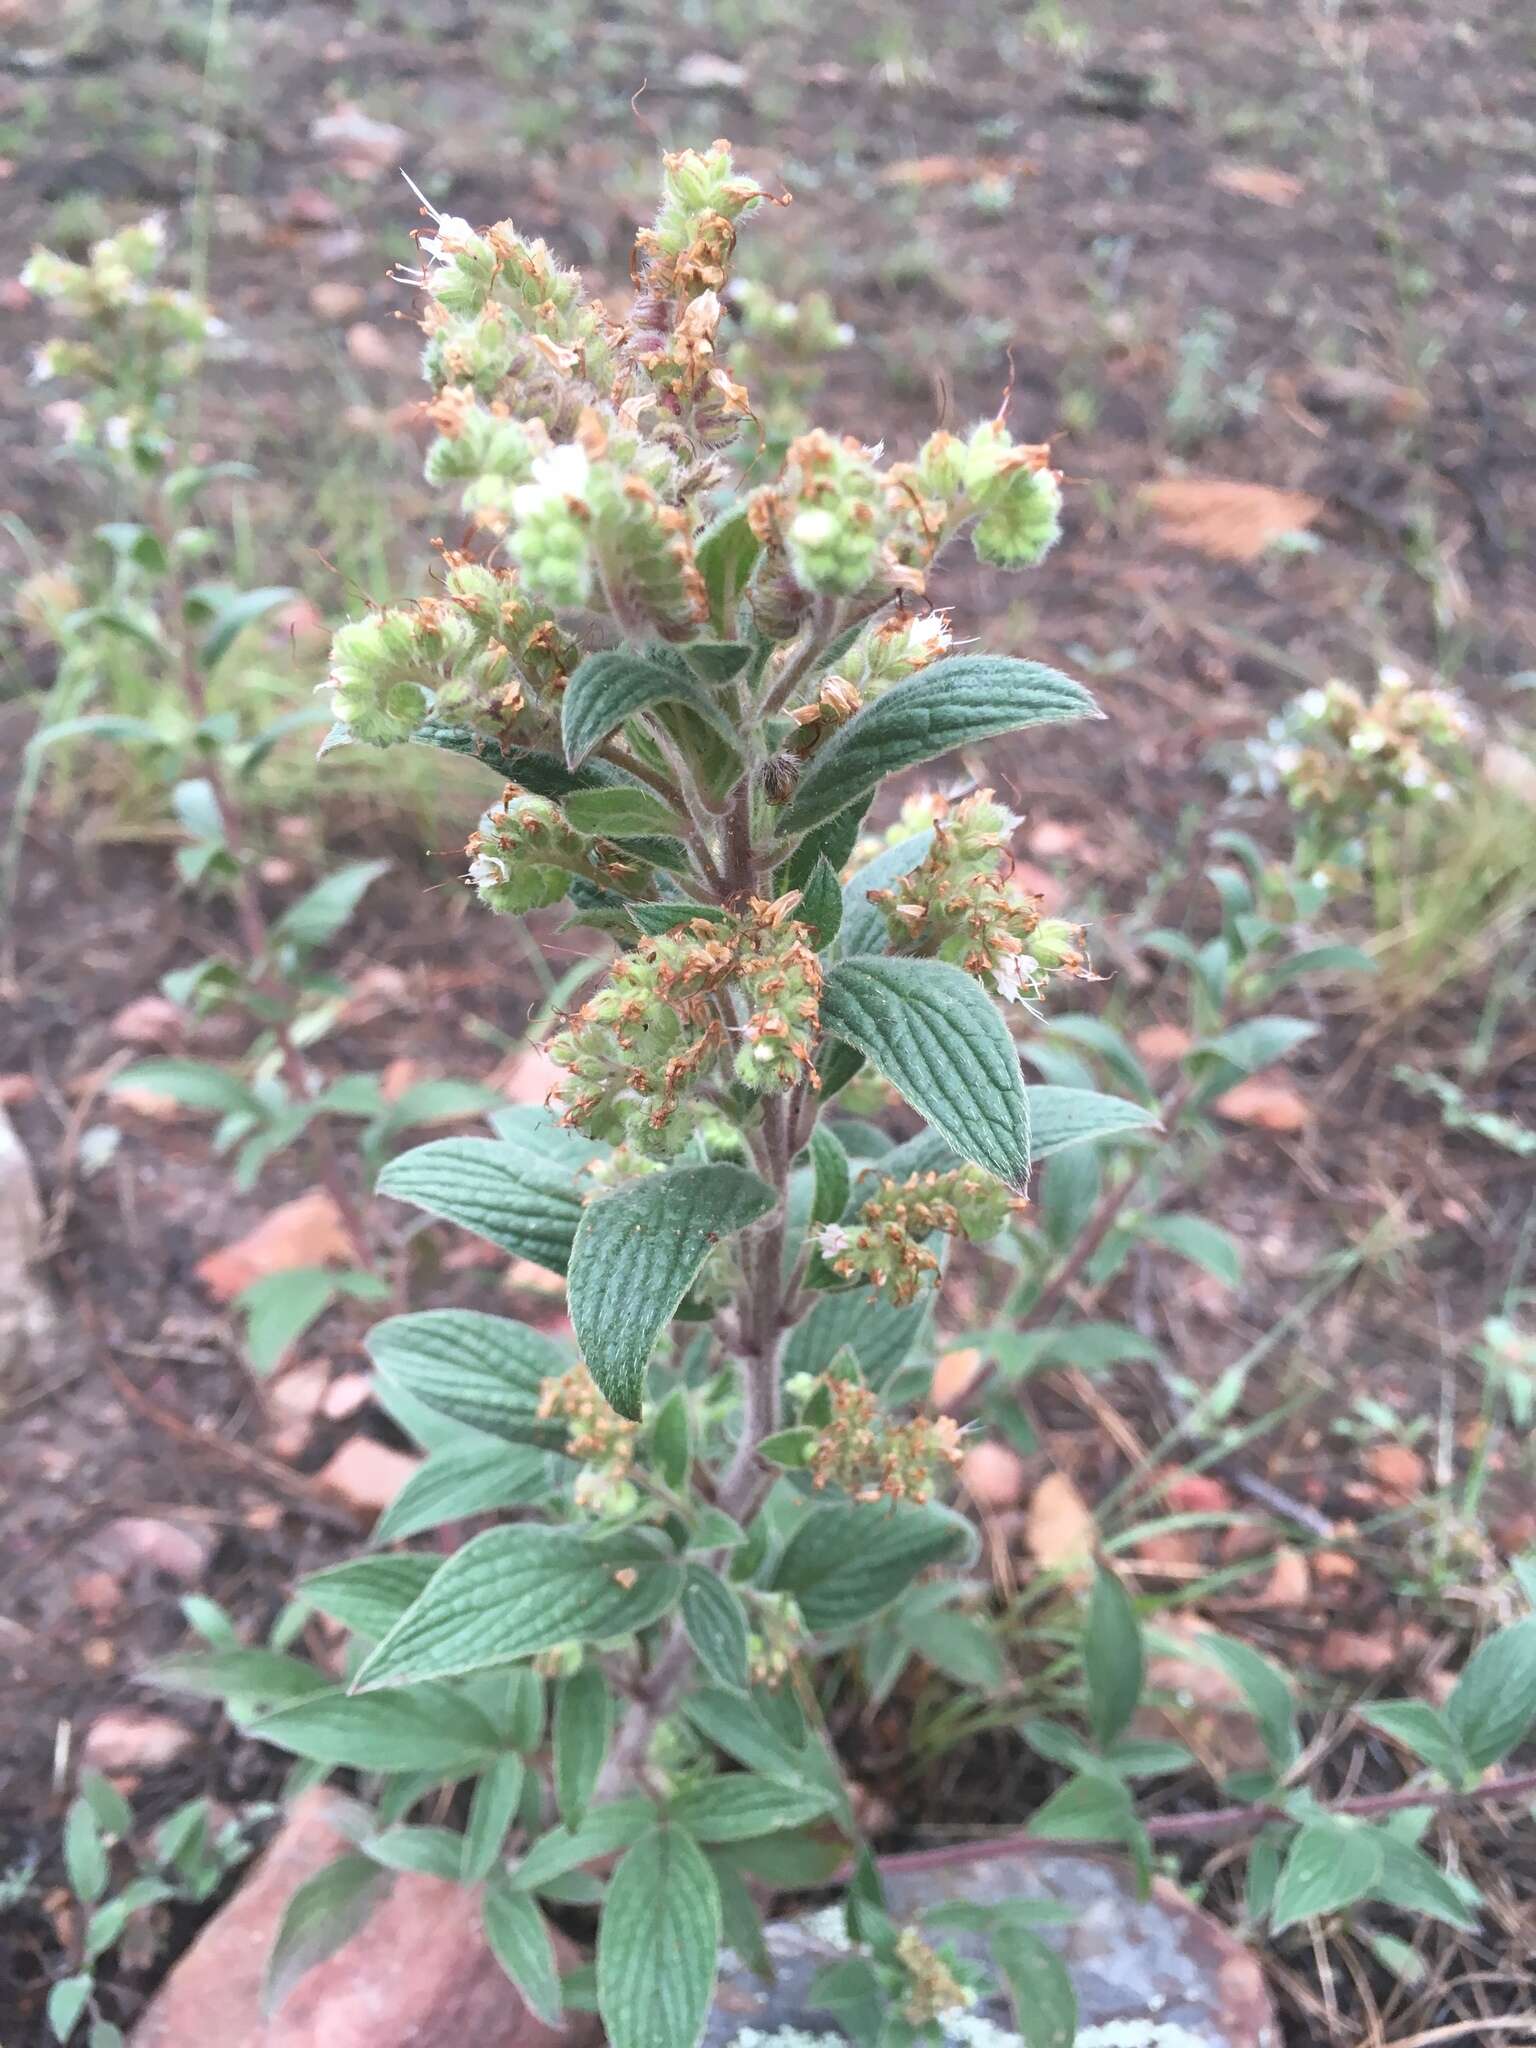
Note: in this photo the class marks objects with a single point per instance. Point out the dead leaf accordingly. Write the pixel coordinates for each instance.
(1060, 1528)
(370, 347)
(953, 1375)
(1052, 840)
(702, 70)
(993, 1476)
(308, 1231)
(928, 171)
(1290, 1581)
(1196, 1493)
(1333, 1567)
(129, 1739)
(1265, 1105)
(1346, 1651)
(1398, 1470)
(1258, 181)
(1234, 522)
(1162, 1044)
(334, 299)
(150, 1020)
(528, 1077)
(524, 1277)
(345, 1395)
(146, 1541)
(1366, 394)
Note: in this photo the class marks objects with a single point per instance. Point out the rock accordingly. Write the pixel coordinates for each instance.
(146, 1542)
(1159, 1959)
(367, 1475)
(128, 1739)
(1398, 1470)
(1060, 1531)
(345, 1395)
(334, 299)
(359, 145)
(953, 1374)
(1265, 1105)
(417, 1974)
(26, 1314)
(993, 1475)
(308, 1231)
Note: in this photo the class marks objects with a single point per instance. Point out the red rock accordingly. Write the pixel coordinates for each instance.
(1398, 1470)
(308, 1231)
(1265, 1105)
(1196, 1493)
(150, 1020)
(16, 1089)
(1162, 1044)
(1344, 1651)
(367, 1475)
(128, 1739)
(417, 1974)
(953, 1374)
(145, 1541)
(97, 1594)
(370, 347)
(334, 299)
(345, 1395)
(993, 1475)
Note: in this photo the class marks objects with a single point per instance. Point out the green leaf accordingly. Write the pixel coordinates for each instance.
(658, 1944)
(717, 661)
(832, 842)
(544, 774)
(724, 558)
(734, 1725)
(1419, 1727)
(962, 1646)
(821, 904)
(954, 703)
(1258, 1043)
(196, 1084)
(636, 1254)
(430, 1729)
(1112, 1657)
(655, 918)
(321, 1917)
(1092, 1807)
(671, 1441)
(278, 1309)
(1203, 1243)
(605, 1829)
(851, 1992)
(1060, 1118)
(833, 1178)
(501, 1191)
(428, 1851)
(847, 1561)
(611, 687)
(492, 1810)
(512, 1592)
(485, 1371)
(1330, 1865)
(739, 1807)
(114, 1816)
(863, 925)
(462, 1480)
(1494, 1702)
(619, 813)
(937, 1037)
(717, 1626)
(1039, 1988)
(1265, 1688)
(583, 1724)
(879, 1334)
(369, 1594)
(85, 1853)
(1409, 1880)
(232, 618)
(67, 2000)
(518, 1937)
(246, 1680)
(322, 912)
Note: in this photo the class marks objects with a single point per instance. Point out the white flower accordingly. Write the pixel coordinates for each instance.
(453, 237)
(1393, 678)
(485, 868)
(1014, 980)
(832, 1240)
(930, 635)
(117, 432)
(1313, 703)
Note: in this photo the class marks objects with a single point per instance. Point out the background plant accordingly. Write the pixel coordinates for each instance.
(731, 1472)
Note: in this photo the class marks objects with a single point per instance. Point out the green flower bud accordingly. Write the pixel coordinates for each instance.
(1022, 522)
(378, 677)
(833, 522)
(551, 544)
(523, 854)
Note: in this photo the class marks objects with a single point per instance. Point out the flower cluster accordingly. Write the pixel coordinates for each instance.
(873, 1458)
(480, 656)
(597, 1438)
(956, 905)
(1342, 757)
(524, 852)
(884, 1247)
(932, 1988)
(638, 1051)
(137, 339)
(774, 1641)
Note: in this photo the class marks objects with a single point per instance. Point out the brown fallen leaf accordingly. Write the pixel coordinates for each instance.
(1234, 522)
(1290, 1581)
(131, 1739)
(308, 1231)
(953, 1375)
(1059, 1528)
(1265, 1105)
(1196, 1493)
(927, 171)
(1257, 181)
(334, 299)
(150, 1020)
(145, 1542)
(1162, 1044)
(1365, 394)
(370, 347)
(1346, 1651)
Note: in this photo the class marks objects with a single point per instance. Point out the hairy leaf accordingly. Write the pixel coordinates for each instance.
(847, 1561)
(320, 1918)
(740, 1807)
(518, 1937)
(658, 1944)
(717, 1626)
(954, 703)
(937, 1037)
(637, 1253)
(486, 1371)
(1331, 1864)
(515, 1198)
(432, 1729)
(611, 687)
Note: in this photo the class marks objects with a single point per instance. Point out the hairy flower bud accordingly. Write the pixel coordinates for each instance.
(523, 854)
(778, 968)
(873, 1458)
(896, 648)
(832, 514)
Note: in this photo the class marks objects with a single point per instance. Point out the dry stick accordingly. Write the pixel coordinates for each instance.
(1232, 1820)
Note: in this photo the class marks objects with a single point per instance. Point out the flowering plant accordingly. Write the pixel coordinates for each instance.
(690, 694)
